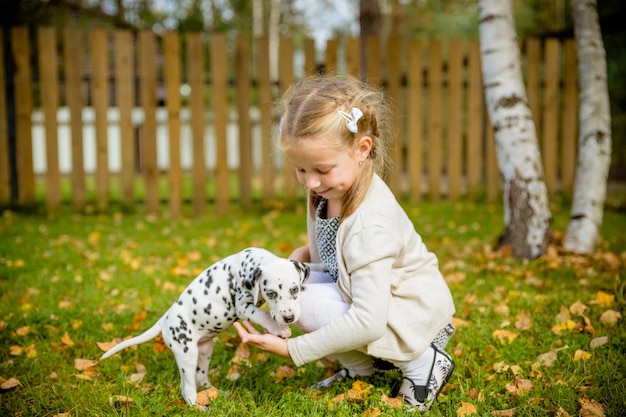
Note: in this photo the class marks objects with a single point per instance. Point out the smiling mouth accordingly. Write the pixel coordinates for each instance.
(322, 192)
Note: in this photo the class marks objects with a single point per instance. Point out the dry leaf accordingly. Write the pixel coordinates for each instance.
(578, 308)
(562, 413)
(394, 402)
(67, 340)
(598, 341)
(122, 400)
(372, 412)
(283, 372)
(233, 373)
(83, 364)
(610, 317)
(206, 396)
(590, 408)
(23, 331)
(455, 277)
(105, 346)
(523, 321)
(10, 384)
(466, 409)
(504, 336)
(242, 354)
(504, 413)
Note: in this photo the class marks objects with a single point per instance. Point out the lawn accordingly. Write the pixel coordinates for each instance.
(534, 338)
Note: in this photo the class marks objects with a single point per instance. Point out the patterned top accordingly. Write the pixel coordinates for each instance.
(326, 239)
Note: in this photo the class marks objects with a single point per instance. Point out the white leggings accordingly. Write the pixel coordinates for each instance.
(321, 302)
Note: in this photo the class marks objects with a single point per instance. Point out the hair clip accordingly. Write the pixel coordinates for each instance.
(351, 118)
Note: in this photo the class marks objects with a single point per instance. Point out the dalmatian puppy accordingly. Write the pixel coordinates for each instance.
(233, 288)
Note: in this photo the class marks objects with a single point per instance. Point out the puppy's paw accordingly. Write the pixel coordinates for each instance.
(281, 331)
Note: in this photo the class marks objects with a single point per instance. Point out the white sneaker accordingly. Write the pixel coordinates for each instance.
(419, 397)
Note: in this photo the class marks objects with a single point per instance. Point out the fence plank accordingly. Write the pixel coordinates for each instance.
(353, 56)
(265, 105)
(569, 118)
(394, 87)
(73, 64)
(533, 78)
(286, 78)
(310, 60)
(551, 113)
(454, 161)
(195, 65)
(124, 91)
(242, 70)
(5, 172)
(219, 85)
(415, 126)
(435, 134)
(172, 74)
(330, 62)
(20, 46)
(100, 98)
(148, 88)
(373, 74)
(475, 120)
(48, 75)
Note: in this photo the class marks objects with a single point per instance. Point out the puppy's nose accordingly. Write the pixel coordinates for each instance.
(288, 318)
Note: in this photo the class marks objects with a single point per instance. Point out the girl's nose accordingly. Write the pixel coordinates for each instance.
(311, 181)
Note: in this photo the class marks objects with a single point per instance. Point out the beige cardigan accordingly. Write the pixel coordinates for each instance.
(399, 299)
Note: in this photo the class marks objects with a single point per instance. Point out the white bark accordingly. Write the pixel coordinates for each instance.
(594, 138)
(527, 215)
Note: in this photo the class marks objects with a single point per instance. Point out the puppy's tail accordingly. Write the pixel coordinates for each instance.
(151, 333)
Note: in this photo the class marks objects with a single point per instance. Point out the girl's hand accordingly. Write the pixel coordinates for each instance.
(267, 341)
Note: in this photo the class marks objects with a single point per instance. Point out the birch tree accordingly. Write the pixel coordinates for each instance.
(594, 138)
(527, 214)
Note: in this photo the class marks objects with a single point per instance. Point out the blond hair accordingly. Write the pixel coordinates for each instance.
(310, 111)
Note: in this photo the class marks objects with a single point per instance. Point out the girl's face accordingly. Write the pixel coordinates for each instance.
(325, 169)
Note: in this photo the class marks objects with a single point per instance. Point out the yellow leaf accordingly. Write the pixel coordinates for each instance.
(604, 300)
(67, 340)
(120, 400)
(242, 354)
(504, 336)
(233, 373)
(283, 372)
(466, 409)
(394, 402)
(504, 413)
(16, 350)
(31, 352)
(581, 354)
(105, 346)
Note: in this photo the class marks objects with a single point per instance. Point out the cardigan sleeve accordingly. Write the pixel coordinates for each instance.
(368, 261)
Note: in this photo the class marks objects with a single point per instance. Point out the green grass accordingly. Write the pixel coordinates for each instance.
(90, 275)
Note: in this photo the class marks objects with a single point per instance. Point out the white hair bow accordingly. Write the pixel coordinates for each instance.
(351, 118)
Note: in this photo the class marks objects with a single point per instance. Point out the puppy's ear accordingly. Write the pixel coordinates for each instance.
(303, 270)
(251, 283)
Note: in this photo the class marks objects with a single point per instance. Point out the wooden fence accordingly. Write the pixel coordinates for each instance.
(444, 146)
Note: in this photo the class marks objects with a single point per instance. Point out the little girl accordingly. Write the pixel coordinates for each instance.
(383, 299)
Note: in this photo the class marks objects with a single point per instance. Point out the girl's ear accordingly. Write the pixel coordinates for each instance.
(364, 147)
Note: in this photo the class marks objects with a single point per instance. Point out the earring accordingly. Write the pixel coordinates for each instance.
(360, 163)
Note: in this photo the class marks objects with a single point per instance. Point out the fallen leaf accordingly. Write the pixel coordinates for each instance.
(242, 354)
(604, 299)
(23, 331)
(578, 308)
(206, 396)
(394, 402)
(504, 413)
(466, 409)
(117, 400)
(10, 384)
(610, 317)
(83, 364)
(581, 354)
(562, 413)
(590, 408)
(283, 372)
(504, 336)
(233, 373)
(105, 346)
(598, 341)
(67, 340)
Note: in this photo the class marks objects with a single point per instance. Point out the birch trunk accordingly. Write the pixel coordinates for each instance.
(594, 138)
(527, 214)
